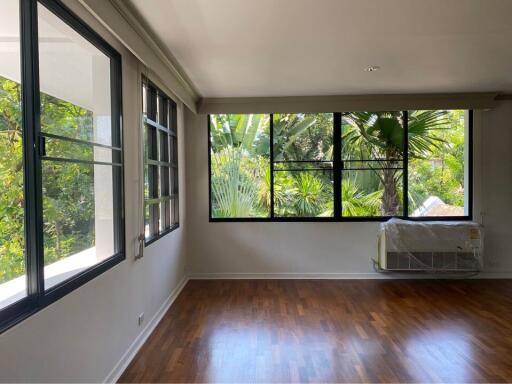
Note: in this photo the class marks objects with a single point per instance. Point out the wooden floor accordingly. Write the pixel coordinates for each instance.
(332, 331)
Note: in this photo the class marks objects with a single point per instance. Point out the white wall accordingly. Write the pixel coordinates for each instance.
(82, 336)
(336, 249)
(496, 187)
(85, 334)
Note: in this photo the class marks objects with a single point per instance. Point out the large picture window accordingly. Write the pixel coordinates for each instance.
(161, 205)
(343, 166)
(60, 142)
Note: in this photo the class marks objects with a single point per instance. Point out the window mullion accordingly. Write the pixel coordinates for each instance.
(32, 161)
(337, 164)
(271, 138)
(405, 157)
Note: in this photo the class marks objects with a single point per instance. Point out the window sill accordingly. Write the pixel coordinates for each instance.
(335, 220)
(155, 238)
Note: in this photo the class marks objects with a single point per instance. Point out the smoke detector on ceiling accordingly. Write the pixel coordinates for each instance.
(372, 68)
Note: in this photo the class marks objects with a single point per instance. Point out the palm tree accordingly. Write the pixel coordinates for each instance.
(303, 136)
(356, 203)
(234, 188)
(237, 142)
(311, 194)
(379, 136)
(248, 132)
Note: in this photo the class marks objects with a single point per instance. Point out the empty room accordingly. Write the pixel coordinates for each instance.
(256, 191)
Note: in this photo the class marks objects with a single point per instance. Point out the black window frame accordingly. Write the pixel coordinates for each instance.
(337, 170)
(37, 297)
(160, 189)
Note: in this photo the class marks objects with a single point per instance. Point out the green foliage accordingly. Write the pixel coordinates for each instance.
(234, 183)
(303, 136)
(68, 196)
(241, 183)
(439, 171)
(380, 136)
(356, 202)
(302, 194)
(250, 133)
(240, 145)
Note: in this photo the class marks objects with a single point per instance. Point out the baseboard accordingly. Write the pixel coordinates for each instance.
(341, 276)
(128, 356)
(494, 275)
(323, 276)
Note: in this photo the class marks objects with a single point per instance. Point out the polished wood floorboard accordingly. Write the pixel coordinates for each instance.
(332, 331)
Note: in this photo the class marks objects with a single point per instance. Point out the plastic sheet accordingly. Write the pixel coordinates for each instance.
(433, 246)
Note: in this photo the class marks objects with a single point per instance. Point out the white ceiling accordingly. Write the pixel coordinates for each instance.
(236, 48)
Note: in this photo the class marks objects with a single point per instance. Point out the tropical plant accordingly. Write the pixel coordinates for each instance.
(249, 132)
(311, 194)
(356, 203)
(240, 147)
(441, 172)
(380, 136)
(68, 195)
(233, 187)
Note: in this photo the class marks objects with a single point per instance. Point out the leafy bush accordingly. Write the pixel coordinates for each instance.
(68, 195)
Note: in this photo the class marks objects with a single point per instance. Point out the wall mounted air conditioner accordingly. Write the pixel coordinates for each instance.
(430, 246)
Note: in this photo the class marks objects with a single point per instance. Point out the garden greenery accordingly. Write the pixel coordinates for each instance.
(372, 152)
(68, 188)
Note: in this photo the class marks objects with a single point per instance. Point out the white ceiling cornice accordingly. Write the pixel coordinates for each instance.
(143, 30)
(321, 104)
(123, 23)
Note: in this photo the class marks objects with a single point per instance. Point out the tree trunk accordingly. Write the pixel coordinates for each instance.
(390, 198)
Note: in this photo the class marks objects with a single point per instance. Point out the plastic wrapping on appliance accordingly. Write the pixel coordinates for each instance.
(435, 245)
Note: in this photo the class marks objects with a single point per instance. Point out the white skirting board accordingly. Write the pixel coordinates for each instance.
(344, 276)
(128, 356)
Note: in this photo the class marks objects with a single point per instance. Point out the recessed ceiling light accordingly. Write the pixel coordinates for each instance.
(372, 68)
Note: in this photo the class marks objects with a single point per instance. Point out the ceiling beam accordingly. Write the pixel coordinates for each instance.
(341, 103)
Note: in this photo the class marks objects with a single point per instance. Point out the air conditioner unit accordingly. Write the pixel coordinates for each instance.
(430, 246)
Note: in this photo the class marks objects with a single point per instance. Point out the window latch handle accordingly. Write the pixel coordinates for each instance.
(42, 146)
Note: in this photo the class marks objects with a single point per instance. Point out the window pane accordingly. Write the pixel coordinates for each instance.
(164, 146)
(154, 220)
(240, 169)
(150, 142)
(74, 81)
(167, 213)
(303, 193)
(76, 151)
(372, 156)
(161, 219)
(174, 149)
(153, 181)
(147, 232)
(164, 176)
(438, 153)
(372, 136)
(303, 136)
(13, 282)
(362, 194)
(146, 181)
(174, 181)
(175, 211)
(162, 111)
(144, 99)
(78, 218)
(78, 199)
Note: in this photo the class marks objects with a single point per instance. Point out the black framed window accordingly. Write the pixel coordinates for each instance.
(61, 146)
(161, 204)
(342, 166)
